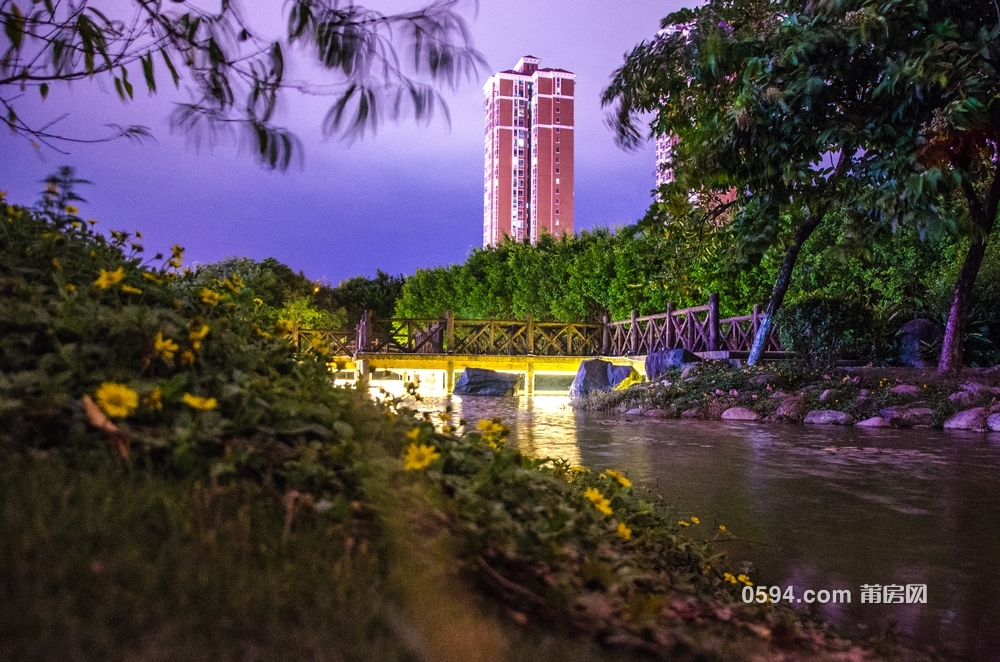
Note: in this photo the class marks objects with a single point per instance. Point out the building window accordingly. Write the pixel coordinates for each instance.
(557, 150)
(557, 212)
(557, 190)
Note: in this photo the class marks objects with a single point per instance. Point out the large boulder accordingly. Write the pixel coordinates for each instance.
(993, 422)
(874, 422)
(915, 337)
(479, 381)
(970, 419)
(828, 417)
(659, 362)
(904, 416)
(740, 414)
(600, 375)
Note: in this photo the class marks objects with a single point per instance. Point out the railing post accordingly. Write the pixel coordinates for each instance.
(529, 339)
(363, 331)
(633, 335)
(671, 329)
(714, 329)
(450, 331)
(605, 336)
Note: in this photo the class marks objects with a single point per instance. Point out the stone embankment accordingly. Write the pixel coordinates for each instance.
(862, 397)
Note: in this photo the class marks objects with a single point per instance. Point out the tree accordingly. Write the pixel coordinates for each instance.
(743, 158)
(235, 75)
(919, 81)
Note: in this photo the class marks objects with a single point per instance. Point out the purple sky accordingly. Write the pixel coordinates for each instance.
(409, 197)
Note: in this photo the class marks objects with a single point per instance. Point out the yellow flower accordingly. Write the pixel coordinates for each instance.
(71, 210)
(447, 429)
(414, 434)
(418, 457)
(165, 347)
(619, 477)
(683, 523)
(70, 287)
(56, 264)
(580, 470)
(177, 254)
(197, 335)
(722, 527)
(745, 580)
(695, 520)
(152, 278)
(234, 284)
(729, 578)
(257, 301)
(128, 289)
(210, 297)
(187, 357)
(108, 279)
(198, 402)
(598, 500)
(261, 332)
(117, 400)
(624, 531)
(154, 399)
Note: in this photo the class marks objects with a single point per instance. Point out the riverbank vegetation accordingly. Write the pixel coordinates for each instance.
(176, 483)
(894, 275)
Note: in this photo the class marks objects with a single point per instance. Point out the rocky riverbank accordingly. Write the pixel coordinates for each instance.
(865, 397)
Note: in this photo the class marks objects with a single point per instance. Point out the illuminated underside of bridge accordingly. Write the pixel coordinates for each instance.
(440, 371)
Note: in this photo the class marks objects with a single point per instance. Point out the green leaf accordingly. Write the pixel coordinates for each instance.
(147, 71)
(14, 27)
(170, 66)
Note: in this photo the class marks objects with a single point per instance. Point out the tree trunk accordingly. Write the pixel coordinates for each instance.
(984, 214)
(780, 288)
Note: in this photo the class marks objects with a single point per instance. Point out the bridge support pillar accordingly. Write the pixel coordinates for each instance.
(529, 378)
(449, 377)
(361, 368)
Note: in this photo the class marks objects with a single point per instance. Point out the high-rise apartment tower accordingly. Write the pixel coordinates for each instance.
(528, 173)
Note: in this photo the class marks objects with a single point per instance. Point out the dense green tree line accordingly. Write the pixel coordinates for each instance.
(582, 277)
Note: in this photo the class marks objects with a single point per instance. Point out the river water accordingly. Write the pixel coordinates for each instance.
(813, 507)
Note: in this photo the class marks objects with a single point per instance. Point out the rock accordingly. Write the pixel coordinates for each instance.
(908, 416)
(779, 395)
(760, 380)
(828, 417)
(660, 361)
(827, 394)
(914, 338)
(657, 413)
(874, 422)
(962, 398)
(690, 413)
(688, 369)
(864, 393)
(993, 422)
(740, 414)
(970, 419)
(479, 381)
(599, 375)
(733, 392)
(633, 412)
(977, 389)
(907, 389)
(793, 408)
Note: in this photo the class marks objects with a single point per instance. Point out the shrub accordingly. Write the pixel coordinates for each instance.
(824, 329)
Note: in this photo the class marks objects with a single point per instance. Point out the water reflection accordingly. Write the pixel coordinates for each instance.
(813, 507)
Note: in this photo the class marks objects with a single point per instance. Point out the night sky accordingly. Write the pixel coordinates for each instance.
(409, 197)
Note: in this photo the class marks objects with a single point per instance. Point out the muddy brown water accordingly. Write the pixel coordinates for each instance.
(813, 507)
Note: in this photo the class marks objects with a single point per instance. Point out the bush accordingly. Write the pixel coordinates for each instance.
(823, 330)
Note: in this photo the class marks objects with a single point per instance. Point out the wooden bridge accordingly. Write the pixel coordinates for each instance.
(447, 344)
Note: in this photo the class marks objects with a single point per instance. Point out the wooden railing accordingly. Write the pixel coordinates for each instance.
(696, 329)
(497, 337)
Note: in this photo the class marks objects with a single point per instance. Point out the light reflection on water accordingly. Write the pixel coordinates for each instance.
(821, 507)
